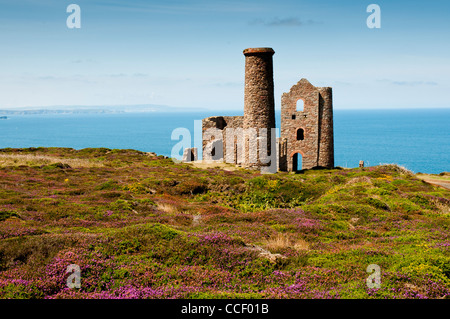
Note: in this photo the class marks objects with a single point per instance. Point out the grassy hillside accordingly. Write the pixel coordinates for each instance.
(141, 226)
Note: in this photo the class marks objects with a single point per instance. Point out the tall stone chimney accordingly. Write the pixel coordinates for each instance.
(259, 103)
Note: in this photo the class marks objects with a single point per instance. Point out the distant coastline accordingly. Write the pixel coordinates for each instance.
(110, 109)
(153, 108)
(44, 111)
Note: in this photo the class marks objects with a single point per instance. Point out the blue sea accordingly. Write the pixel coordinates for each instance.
(417, 139)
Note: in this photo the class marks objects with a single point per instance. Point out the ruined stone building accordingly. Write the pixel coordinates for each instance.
(306, 124)
(306, 127)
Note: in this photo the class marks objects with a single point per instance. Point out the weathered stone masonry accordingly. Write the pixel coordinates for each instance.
(308, 131)
(259, 103)
(217, 149)
(315, 140)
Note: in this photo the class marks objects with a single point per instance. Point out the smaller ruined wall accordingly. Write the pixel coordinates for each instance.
(282, 154)
(221, 123)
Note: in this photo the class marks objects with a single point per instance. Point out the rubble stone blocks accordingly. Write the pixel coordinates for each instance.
(190, 155)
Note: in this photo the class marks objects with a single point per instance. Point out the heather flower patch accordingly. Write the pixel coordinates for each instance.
(141, 226)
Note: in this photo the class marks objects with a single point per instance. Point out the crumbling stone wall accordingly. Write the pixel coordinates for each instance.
(190, 155)
(316, 121)
(211, 150)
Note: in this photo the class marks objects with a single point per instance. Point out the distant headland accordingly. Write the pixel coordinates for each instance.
(82, 109)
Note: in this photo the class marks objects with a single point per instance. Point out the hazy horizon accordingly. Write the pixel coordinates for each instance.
(185, 109)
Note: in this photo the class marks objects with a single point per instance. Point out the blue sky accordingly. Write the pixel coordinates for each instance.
(189, 53)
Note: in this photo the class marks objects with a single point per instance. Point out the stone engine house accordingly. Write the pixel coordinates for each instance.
(306, 134)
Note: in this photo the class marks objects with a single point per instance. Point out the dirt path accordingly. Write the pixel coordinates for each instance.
(443, 181)
(224, 166)
(438, 183)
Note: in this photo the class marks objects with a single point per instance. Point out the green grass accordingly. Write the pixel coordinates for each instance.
(145, 227)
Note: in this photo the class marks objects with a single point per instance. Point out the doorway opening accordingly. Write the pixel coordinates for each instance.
(297, 164)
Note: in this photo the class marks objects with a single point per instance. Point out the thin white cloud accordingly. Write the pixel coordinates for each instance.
(54, 79)
(80, 61)
(116, 75)
(177, 6)
(285, 22)
(409, 83)
(140, 75)
(229, 84)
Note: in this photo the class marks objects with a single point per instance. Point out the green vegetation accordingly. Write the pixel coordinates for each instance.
(141, 226)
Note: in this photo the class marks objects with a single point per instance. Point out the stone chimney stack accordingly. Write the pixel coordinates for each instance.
(259, 102)
(326, 141)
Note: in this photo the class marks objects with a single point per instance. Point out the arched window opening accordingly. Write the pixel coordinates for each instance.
(300, 134)
(300, 105)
